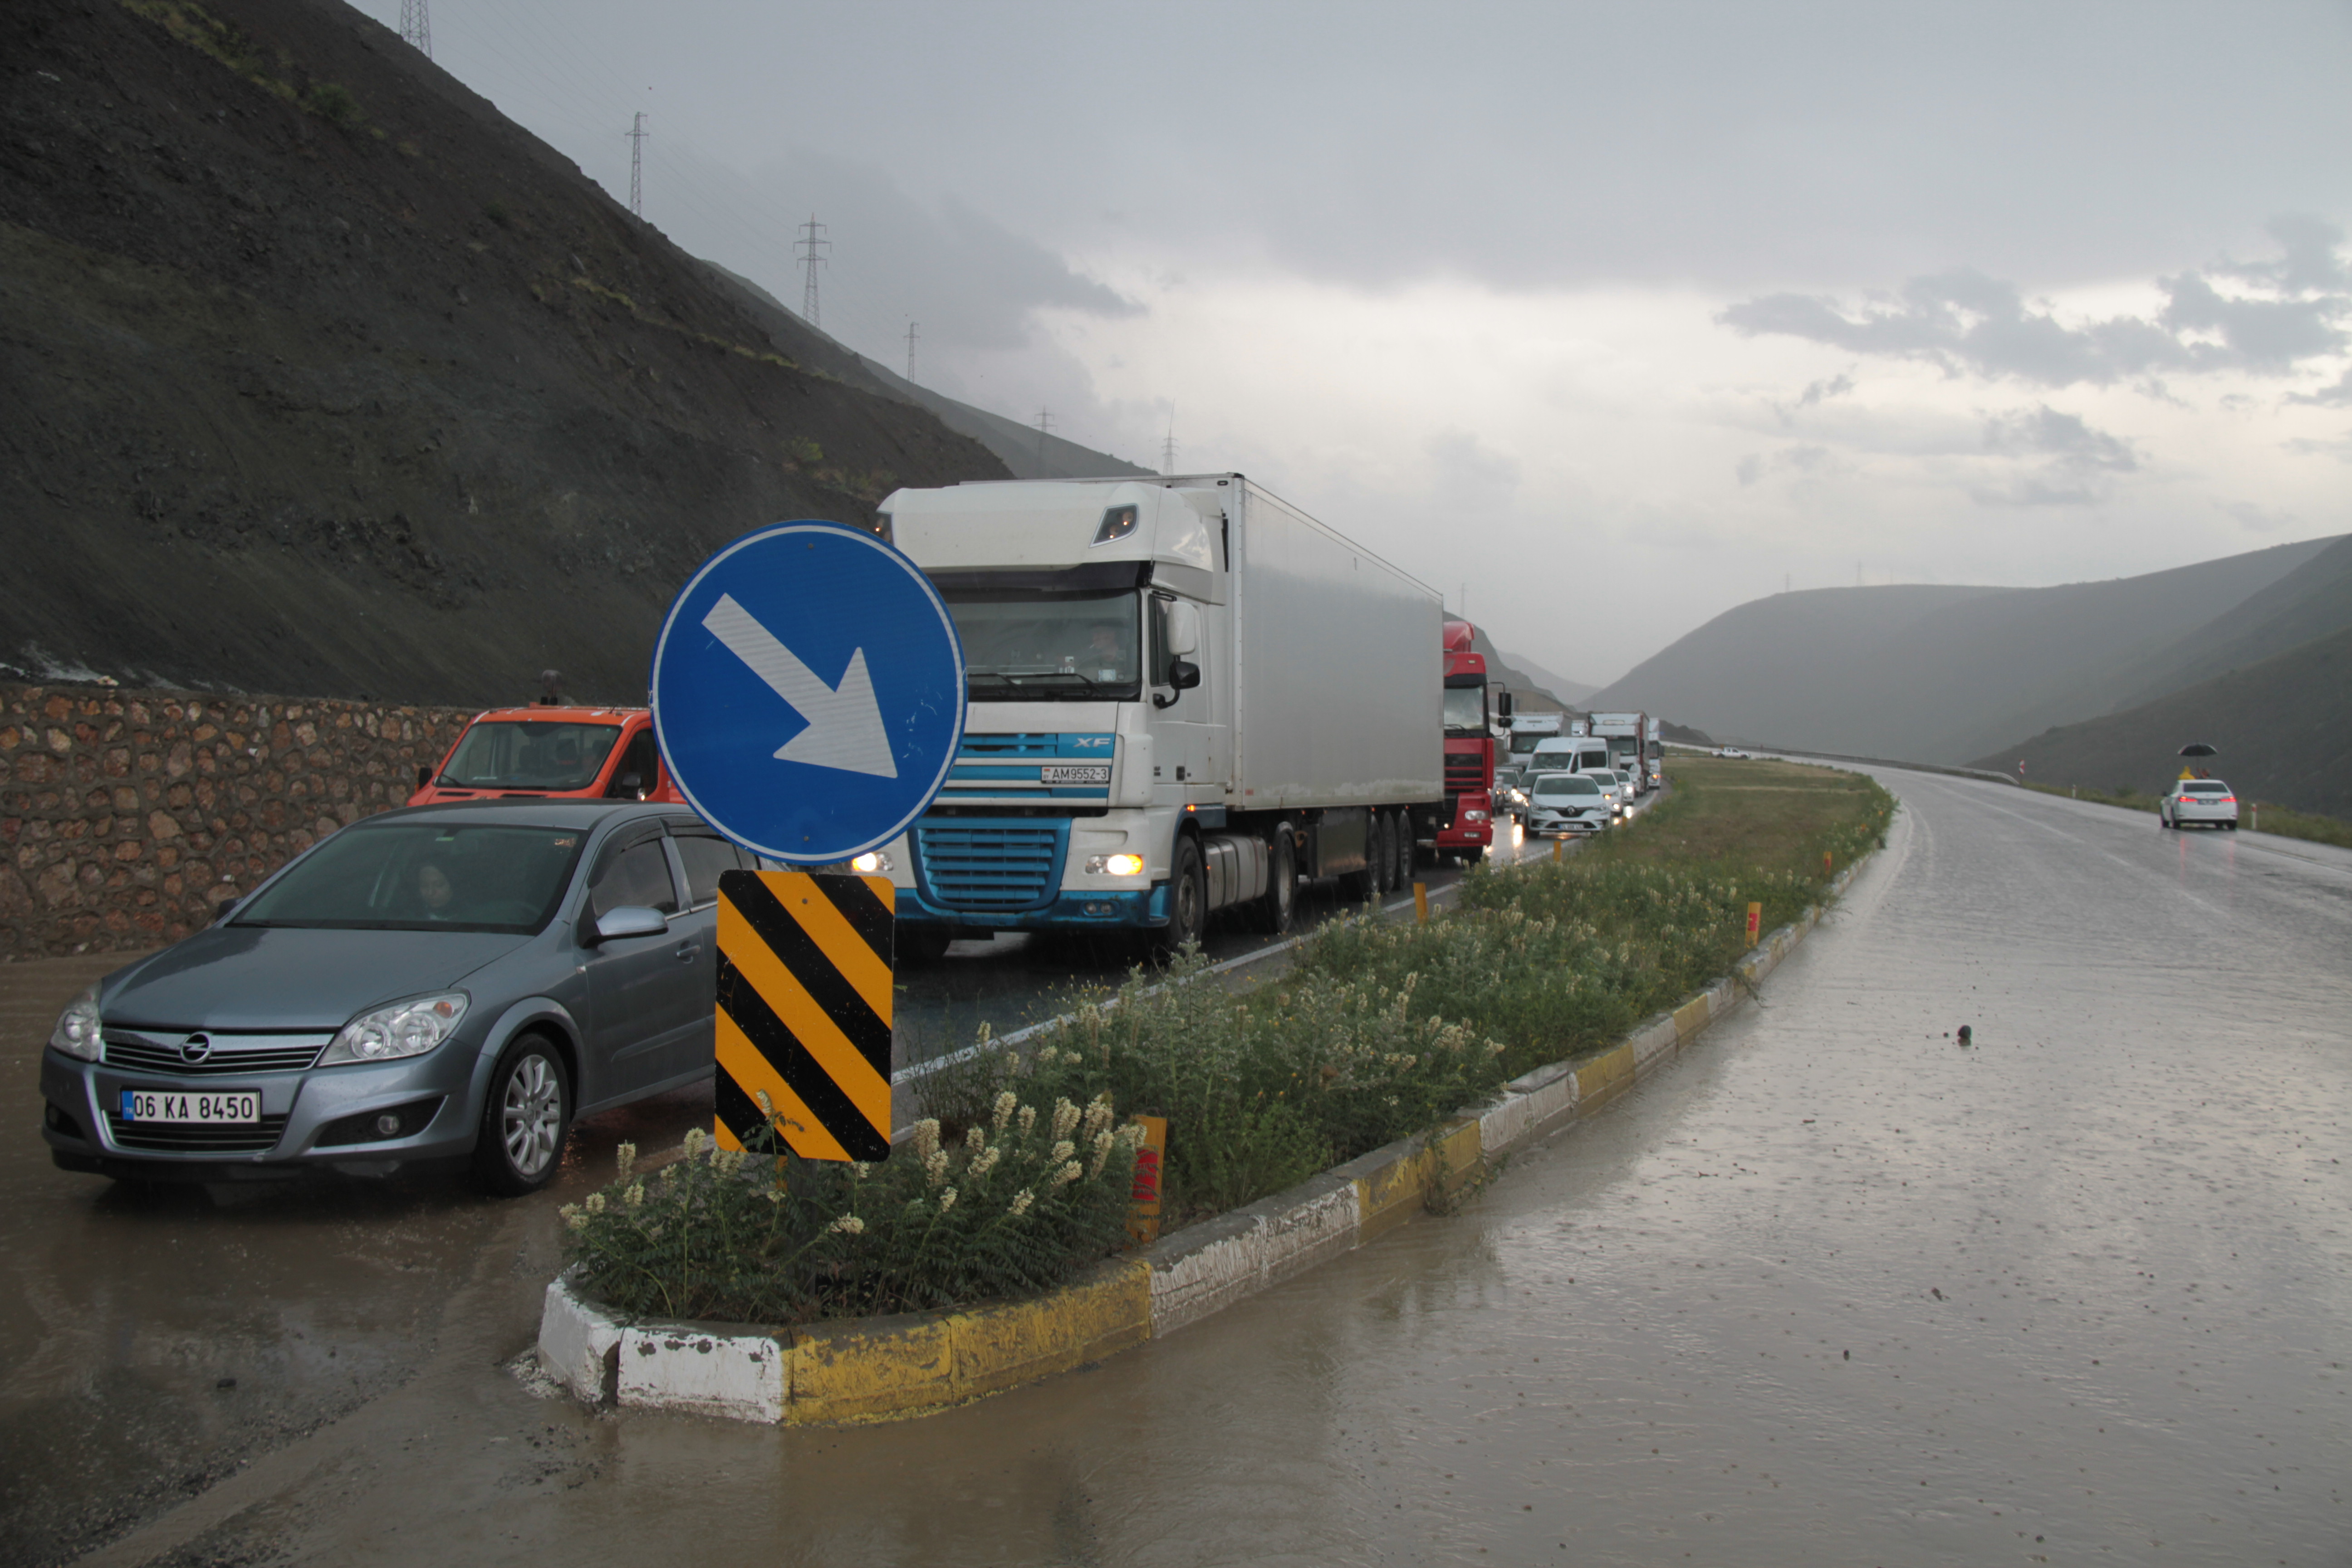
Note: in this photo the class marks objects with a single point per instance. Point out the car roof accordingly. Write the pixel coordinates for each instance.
(542, 812)
(565, 715)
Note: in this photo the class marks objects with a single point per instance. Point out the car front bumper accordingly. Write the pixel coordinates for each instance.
(314, 1119)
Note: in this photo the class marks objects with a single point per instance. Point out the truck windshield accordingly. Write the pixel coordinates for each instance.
(530, 753)
(1027, 647)
(1465, 709)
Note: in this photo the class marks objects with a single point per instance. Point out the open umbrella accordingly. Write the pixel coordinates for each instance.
(2198, 749)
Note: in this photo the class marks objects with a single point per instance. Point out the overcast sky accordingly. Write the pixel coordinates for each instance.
(1616, 315)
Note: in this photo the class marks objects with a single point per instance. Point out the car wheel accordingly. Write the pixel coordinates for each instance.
(1188, 905)
(1278, 905)
(526, 1117)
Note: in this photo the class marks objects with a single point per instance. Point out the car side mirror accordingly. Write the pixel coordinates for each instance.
(629, 920)
(227, 906)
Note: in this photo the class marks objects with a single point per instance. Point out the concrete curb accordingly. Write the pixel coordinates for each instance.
(883, 1368)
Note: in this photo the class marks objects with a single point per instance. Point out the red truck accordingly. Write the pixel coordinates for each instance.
(1466, 821)
(553, 753)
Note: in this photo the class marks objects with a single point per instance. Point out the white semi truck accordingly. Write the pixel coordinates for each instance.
(1184, 696)
(1628, 736)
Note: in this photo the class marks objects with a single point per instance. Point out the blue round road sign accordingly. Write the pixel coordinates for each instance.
(808, 691)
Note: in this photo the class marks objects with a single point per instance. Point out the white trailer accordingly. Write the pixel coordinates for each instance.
(1185, 695)
(1628, 736)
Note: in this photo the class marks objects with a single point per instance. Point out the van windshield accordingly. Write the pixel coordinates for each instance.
(1030, 647)
(531, 754)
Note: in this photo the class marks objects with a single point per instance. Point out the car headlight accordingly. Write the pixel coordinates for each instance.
(77, 1031)
(1115, 864)
(873, 863)
(407, 1029)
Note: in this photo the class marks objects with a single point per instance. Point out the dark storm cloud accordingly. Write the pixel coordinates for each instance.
(1969, 323)
(2073, 460)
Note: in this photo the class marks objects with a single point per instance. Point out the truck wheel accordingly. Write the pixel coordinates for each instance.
(1400, 825)
(1384, 867)
(1188, 904)
(922, 944)
(1278, 905)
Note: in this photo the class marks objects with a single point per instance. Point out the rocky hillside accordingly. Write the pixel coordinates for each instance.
(325, 377)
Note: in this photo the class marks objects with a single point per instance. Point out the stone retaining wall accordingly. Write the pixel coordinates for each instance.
(125, 815)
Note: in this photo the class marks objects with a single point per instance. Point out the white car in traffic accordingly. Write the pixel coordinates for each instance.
(1566, 803)
(2207, 802)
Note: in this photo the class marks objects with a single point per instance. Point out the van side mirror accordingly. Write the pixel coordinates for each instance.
(423, 775)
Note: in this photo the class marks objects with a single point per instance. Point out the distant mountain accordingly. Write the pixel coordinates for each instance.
(2310, 602)
(2283, 727)
(1944, 674)
(1568, 692)
(1529, 693)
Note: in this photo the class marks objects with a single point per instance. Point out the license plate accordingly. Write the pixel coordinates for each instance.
(1080, 773)
(170, 1107)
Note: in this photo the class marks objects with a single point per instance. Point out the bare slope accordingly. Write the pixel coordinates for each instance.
(2283, 729)
(325, 377)
(1937, 674)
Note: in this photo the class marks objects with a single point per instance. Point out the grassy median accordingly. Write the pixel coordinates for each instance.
(1380, 1030)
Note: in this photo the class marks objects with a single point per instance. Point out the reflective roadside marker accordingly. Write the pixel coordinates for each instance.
(1421, 902)
(1827, 861)
(804, 1007)
(1755, 921)
(1555, 849)
(1143, 1197)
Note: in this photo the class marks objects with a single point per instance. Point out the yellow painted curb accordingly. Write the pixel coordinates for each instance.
(1394, 1193)
(1693, 1016)
(1604, 1077)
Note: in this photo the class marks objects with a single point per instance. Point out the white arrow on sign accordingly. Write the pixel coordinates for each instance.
(844, 723)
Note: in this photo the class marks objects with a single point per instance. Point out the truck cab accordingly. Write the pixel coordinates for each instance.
(1466, 827)
(1183, 696)
(550, 752)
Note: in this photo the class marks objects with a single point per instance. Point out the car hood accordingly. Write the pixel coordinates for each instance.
(266, 977)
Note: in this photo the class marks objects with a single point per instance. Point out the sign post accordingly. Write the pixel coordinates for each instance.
(808, 697)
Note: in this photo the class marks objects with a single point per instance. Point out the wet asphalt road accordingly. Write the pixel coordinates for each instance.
(1831, 1289)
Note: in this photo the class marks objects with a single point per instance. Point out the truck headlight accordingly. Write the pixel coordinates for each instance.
(873, 863)
(77, 1031)
(407, 1029)
(1474, 815)
(1115, 864)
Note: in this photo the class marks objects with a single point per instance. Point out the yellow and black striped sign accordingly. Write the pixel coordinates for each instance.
(804, 1011)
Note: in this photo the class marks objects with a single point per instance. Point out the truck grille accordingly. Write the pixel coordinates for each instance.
(230, 1054)
(990, 867)
(247, 1140)
(1464, 776)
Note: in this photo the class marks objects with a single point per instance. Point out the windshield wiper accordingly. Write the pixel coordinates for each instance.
(1069, 674)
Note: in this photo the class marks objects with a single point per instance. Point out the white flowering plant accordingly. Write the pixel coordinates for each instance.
(1018, 1202)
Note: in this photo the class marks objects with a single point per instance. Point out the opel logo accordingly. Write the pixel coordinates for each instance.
(195, 1049)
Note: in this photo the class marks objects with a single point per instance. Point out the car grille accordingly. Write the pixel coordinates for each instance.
(231, 1054)
(147, 1137)
(992, 868)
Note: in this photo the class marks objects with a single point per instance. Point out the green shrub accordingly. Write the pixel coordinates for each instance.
(332, 100)
(800, 449)
(1020, 1203)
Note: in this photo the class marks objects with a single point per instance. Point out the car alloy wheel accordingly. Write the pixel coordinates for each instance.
(527, 1120)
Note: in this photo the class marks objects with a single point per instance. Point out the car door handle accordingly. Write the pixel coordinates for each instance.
(689, 950)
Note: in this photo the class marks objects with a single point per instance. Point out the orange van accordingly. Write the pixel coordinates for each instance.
(553, 753)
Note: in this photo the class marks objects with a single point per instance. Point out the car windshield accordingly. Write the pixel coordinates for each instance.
(1022, 647)
(1564, 787)
(530, 754)
(424, 876)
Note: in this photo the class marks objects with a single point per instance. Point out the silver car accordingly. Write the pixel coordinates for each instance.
(443, 986)
(1567, 803)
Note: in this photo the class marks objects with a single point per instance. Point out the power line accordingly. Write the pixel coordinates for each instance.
(416, 26)
(637, 135)
(910, 350)
(807, 251)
